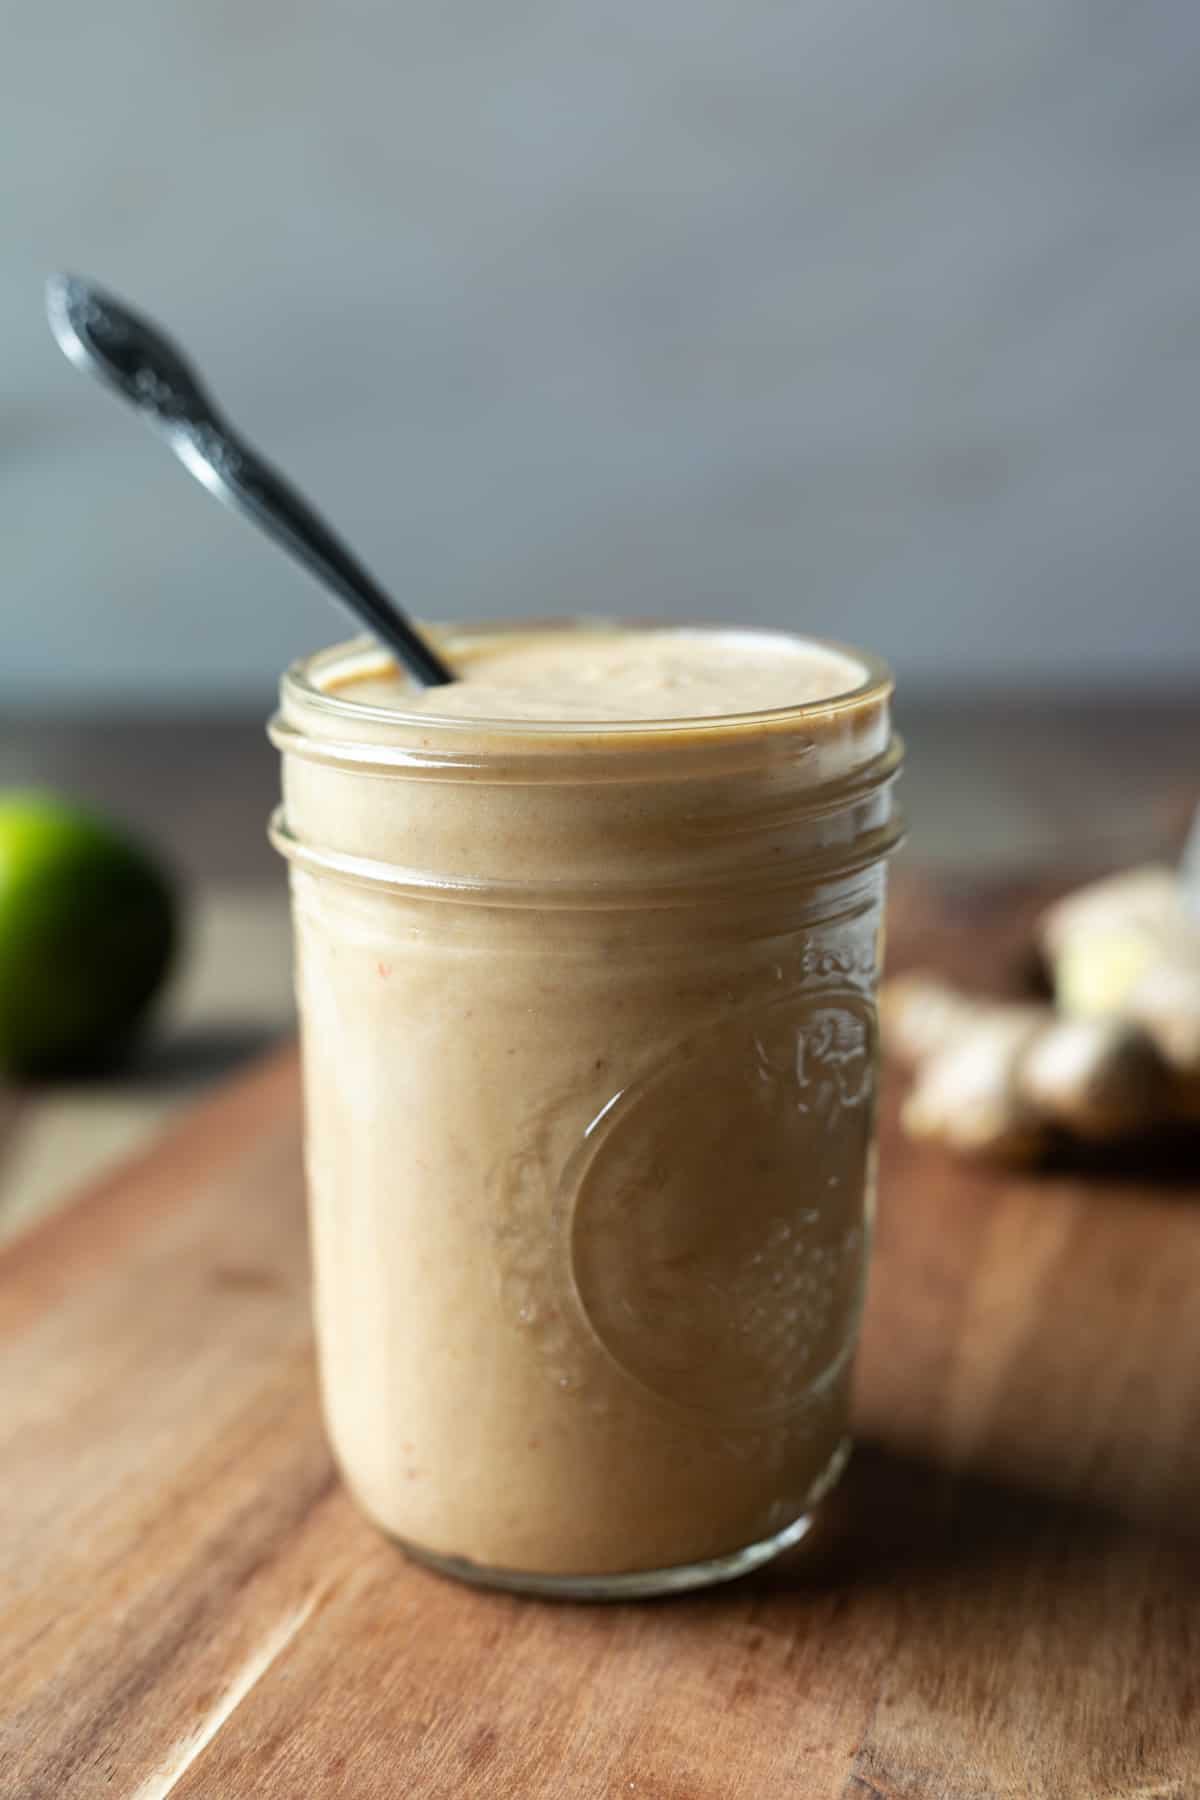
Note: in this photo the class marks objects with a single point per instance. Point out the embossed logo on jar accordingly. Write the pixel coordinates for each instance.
(716, 1232)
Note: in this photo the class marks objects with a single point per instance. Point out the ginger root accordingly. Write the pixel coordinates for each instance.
(999, 1080)
(1099, 1079)
(1118, 1053)
(1129, 948)
(966, 1092)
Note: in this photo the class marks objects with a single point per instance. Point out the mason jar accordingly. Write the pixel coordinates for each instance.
(590, 1059)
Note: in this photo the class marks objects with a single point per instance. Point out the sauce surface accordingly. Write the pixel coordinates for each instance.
(609, 676)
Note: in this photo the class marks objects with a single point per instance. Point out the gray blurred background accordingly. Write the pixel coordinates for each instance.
(879, 318)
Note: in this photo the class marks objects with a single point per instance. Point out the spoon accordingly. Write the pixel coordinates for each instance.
(139, 360)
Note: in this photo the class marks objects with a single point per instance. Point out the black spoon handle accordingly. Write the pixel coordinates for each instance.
(143, 365)
(244, 480)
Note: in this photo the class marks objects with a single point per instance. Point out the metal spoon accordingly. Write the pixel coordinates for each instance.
(141, 363)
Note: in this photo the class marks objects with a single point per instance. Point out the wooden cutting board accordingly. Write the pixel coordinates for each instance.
(1004, 1600)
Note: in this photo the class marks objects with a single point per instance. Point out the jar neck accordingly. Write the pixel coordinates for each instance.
(670, 814)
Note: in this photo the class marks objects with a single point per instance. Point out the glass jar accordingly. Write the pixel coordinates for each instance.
(589, 1051)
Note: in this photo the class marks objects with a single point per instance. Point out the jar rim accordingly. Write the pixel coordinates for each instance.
(301, 682)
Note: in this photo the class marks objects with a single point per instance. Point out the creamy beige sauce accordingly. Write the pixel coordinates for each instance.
(603, 676)
(589, 1176)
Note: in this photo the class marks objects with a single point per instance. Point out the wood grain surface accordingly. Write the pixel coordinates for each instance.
(1003, 1599)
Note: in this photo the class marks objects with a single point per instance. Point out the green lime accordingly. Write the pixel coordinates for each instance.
(87, 931)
